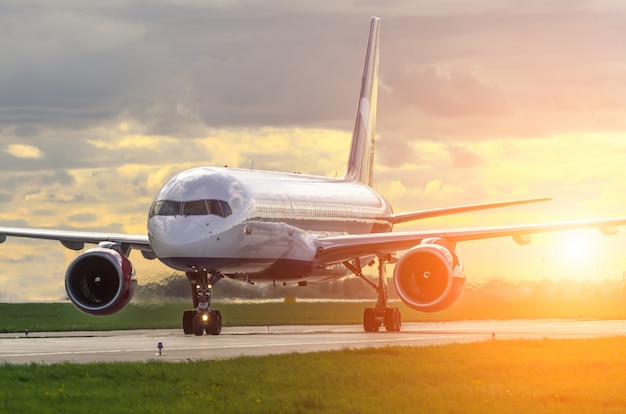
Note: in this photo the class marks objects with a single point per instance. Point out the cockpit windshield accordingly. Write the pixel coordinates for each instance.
(190, 208)
(195, 208)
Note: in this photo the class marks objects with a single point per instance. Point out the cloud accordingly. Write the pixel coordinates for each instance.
(23, 151)
(446, 91)
(176, 67)
(462, 157)
(5, 197)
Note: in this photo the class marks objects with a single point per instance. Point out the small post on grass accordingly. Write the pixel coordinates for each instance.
(493, 336)
(26, 332)
(160, 348)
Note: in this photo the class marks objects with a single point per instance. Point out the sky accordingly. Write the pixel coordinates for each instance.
(102, 102)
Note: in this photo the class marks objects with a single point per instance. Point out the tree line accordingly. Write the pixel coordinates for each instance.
(176, 286)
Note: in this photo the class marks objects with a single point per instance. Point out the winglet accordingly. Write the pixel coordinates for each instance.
(361, 160)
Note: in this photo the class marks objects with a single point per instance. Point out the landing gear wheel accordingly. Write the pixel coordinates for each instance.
(381, 314)
(188, 321)
(198, 325)
(370, 323)
(392, 320)
(214, 326)
(202, 318)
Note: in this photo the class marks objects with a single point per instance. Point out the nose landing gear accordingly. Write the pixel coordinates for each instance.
(202, 319)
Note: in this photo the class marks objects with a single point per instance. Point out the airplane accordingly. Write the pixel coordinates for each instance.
(278, 227)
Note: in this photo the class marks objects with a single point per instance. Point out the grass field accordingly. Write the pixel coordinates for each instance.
(37, 317)
(547, 376)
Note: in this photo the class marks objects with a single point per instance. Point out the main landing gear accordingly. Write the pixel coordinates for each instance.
(202, 319)
(381, 314)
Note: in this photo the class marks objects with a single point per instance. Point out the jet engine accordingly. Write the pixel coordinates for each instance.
(100, 281)
(429, 277)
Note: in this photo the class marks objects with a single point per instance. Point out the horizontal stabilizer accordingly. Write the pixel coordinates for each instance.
(445, 211)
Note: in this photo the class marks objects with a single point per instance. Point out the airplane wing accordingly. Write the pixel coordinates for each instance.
(338, 249)
(420, 215)
(76, 240)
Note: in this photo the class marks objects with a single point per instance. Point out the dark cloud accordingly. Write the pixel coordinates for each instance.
(5, 197)
(39, 179)
(176, 67)
(513, 71)
(396, 152)
(67, 66)
(454, 93)
(229, 66)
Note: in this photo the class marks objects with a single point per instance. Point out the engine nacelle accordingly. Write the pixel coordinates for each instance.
(100, 281)
(429, 277)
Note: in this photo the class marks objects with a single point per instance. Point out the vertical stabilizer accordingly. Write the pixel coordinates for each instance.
(361, 161)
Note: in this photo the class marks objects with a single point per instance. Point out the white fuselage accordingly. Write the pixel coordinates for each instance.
(258, 224)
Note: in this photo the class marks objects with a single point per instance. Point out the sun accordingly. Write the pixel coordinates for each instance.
(578, 255)
(576, 249)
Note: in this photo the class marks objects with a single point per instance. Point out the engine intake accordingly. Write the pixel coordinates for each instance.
(429, 278)
(100, 281)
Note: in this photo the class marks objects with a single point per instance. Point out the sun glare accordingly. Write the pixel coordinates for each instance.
(576, 248)
(579, 255)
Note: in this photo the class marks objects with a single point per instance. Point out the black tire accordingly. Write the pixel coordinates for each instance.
(370, 324)
(388, 319)
(188, 321)
(398, 320)
(198, 325)
(392, 319)
(215, 323)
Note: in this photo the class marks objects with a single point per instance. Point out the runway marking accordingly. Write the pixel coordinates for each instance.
(88, 347)
(240, 346)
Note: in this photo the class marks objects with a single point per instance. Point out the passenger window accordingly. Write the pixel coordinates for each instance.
(195, 208)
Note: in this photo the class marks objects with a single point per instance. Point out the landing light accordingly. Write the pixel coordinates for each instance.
(205, 317)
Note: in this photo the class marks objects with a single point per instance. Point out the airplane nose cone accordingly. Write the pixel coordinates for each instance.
(178, 237)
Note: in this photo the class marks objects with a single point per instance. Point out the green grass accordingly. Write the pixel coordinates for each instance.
(38, 317)
(547, 376)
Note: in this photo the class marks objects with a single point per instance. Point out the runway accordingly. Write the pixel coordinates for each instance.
(87, 347)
